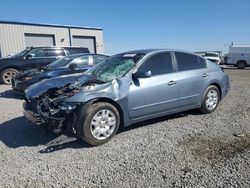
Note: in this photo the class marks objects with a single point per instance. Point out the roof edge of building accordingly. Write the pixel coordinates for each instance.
(50, 25)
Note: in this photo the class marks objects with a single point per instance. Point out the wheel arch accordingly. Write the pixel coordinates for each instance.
(6, 68)
(216, 84)
(12, 67)
(242, 60)
(115, 104)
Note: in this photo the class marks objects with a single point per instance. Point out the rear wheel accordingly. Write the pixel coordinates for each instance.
(241, 64)
(101, 122)
(210, 100)
(8, 74)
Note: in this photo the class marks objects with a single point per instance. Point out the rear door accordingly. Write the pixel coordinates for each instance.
(157, 94)
(192, 77)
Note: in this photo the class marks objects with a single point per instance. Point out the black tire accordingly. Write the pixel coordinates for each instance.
(6, 78)
(89, 113)
(241, 64)
(204, 109)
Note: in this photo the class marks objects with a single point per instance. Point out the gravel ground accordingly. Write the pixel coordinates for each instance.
(181, 150)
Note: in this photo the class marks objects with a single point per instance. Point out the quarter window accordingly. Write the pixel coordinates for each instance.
(158, 64)
(202, 62)
(189, 62)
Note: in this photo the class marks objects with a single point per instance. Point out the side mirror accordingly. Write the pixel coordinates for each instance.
(73, 66)
(142, 74)
(29, 56)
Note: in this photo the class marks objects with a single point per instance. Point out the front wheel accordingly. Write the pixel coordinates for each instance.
(210, 100)
(101, 122)
(8, 74)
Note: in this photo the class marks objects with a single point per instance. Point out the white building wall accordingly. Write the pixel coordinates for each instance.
(98, 34)
(12, 39)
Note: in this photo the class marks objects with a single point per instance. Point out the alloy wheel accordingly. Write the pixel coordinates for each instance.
(8, 75)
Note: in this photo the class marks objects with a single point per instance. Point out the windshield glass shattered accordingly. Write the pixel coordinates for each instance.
(114, 67)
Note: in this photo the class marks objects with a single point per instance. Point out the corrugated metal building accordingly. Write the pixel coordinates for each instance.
(16, 36)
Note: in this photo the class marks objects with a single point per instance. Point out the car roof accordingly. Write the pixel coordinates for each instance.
(84, 54)
(212, 53)
(149, 51)
(144, 51)
(56, 47)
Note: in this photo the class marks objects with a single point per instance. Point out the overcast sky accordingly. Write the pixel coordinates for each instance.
(192, 25)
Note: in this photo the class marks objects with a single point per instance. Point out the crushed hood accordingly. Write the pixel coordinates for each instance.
(39, 88)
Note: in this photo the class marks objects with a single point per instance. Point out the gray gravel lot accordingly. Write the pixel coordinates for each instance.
(182, 150)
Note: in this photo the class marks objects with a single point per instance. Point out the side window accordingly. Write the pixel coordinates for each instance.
(187, 61)
(158, 64)
(81, 61)
(54, 52)
(37, 53)
(77, 50)
(97, 59)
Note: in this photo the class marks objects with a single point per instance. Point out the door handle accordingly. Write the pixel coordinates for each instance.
(171, 83)
(205, 75)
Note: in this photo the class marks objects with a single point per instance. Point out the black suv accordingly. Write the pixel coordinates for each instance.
(34, 57)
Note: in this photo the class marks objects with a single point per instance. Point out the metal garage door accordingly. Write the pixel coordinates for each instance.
(83, 41)
(39, 40)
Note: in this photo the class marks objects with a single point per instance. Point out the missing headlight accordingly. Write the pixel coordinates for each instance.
(89, 87)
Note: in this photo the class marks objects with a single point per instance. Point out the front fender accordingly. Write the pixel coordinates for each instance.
(115, 90)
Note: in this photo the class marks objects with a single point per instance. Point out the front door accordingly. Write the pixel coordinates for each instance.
(157, 94)
(35, 58)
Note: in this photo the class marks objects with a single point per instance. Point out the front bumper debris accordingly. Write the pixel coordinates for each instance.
(62, 139)
(57, 120)
(19, 86)
(42, 119)
(31, 116)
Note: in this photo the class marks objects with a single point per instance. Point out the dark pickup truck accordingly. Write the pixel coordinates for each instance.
(34, 57)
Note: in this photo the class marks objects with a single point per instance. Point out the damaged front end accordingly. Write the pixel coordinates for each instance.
(46, 105)
(50, 111)
(82, 104)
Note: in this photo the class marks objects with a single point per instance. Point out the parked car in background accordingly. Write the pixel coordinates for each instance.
(214, 57)
(67, 65)
(125, 89)
(34, 57)
(239, 56)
